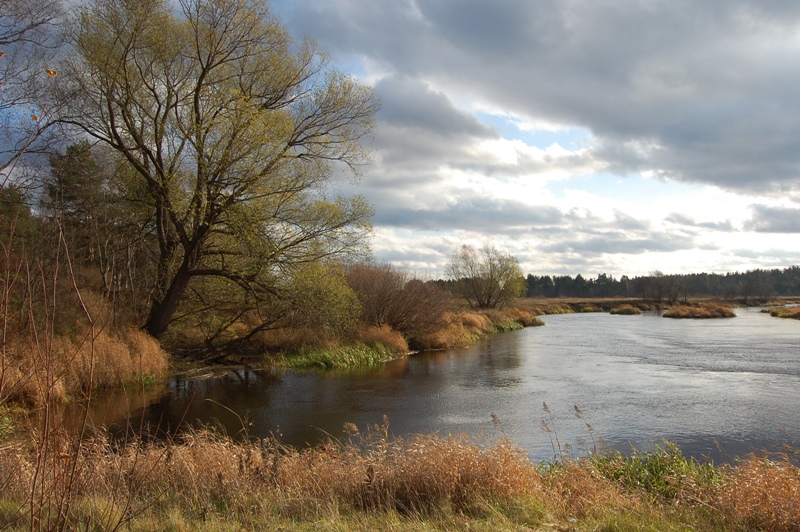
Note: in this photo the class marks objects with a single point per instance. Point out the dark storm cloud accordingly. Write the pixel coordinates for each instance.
(767, 219)
(696, 91)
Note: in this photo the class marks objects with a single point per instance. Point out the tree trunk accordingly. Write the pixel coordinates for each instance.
(161, 311)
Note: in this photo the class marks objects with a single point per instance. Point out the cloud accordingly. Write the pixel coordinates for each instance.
(696, 94)
(687, 221)
(695, 91)
(488, 215)
(767, 219)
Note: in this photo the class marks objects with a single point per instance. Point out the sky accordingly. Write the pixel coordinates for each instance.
(580, 136)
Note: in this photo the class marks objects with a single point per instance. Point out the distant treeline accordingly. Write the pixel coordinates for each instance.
(756, 285)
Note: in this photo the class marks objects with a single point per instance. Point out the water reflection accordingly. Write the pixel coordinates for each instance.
(718, 388)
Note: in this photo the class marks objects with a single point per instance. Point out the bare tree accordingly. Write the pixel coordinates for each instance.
(486, 278)
(395, 298)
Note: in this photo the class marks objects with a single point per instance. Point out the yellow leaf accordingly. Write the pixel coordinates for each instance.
(51, 73)
(34, 117)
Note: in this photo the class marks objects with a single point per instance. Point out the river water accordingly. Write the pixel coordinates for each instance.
(717, 388)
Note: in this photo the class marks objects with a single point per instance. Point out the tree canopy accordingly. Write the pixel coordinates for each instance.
(235, 131)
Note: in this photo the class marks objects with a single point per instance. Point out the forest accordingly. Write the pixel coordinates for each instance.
(751, 286)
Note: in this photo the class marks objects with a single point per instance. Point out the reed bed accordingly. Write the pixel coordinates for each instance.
(467, 327)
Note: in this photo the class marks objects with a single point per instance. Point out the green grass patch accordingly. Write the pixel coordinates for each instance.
(508, 326)
(340, 357)
(664, 474)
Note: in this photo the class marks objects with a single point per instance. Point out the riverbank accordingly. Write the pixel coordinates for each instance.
(369, 481)
(375, 345)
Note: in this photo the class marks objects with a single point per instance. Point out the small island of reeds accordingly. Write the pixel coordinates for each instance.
(700, 311)
(626, 310)
(786, 312)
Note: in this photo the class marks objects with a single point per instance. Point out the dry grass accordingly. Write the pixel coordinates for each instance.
(763, 494)
(366, 480)
(385, 336)
(65, 368)
(467, 327)
(204, 479)
(701, 311)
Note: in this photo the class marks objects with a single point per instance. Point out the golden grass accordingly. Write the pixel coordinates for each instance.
(763, 494)
(385, 336)
(363, 481)
(626, 310)
(701, 311)
(467, 327)
(64, 368)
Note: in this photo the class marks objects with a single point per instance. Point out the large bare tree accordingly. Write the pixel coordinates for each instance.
(235, 129)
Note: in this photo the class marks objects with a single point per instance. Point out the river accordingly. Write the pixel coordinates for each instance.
(717, 388)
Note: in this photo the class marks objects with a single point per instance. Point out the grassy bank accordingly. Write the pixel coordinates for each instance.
(373, 345)
(467, 327)
(371, 481)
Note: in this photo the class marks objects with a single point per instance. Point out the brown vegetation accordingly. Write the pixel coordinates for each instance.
(467, 327)
(64, 368)
(702, 311)
(393, 298)
(786, 312)
(626, 310)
